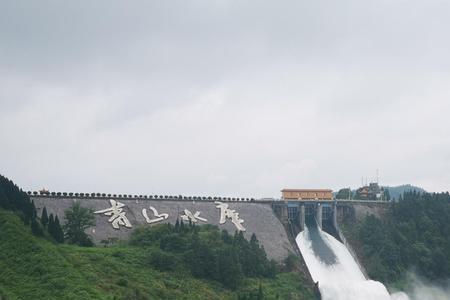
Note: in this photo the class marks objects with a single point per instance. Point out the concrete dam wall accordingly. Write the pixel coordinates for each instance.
(353, 211)
(250, 217)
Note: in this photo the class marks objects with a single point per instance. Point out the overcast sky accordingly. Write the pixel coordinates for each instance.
(236, 98)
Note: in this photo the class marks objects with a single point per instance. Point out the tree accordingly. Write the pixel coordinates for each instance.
(230, 270)
(36, 229)
(202, 259)
(177, 225)
(181, 226)
(54, 229)
(51, 225)
(44, 217)
(29, 211)
(78, 219)
(386, 195)
(58, 232)
(345, 193)
(291, 262)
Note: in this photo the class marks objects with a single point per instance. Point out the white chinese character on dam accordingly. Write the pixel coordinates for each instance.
(193, 217)
(117, 214)
(225, 213)
(159, 217)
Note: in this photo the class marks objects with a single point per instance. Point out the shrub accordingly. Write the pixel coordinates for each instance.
(291, 262)
(78, 219)
(163, 261)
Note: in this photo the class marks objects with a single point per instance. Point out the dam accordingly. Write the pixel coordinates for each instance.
(306, 226)
(275, 222)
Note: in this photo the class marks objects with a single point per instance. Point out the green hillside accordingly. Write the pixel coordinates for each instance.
(396, 191)
(411, 236)
(34, 268)
(160, 262)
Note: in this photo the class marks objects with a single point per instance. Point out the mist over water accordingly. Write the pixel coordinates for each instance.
(421, 289)
(339, 276)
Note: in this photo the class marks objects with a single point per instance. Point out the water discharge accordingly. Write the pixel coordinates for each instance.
(339, 276)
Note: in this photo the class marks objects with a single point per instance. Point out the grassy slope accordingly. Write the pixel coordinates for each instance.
(34, 268)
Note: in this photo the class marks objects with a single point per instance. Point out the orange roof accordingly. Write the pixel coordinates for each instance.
(306, 190)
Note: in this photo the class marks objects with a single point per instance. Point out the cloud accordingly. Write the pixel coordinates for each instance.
(224, 97)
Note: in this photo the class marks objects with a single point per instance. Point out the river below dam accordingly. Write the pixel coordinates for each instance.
(339, 276)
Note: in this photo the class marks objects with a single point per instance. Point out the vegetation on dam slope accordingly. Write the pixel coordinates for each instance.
(161, 262)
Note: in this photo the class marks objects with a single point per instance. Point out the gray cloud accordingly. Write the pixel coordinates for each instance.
(224, 97)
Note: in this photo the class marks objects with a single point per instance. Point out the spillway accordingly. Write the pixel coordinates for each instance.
(333, 267)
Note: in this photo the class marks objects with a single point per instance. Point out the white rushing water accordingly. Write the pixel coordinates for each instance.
(340, 279)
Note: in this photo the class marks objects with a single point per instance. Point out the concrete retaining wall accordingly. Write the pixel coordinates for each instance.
(353, 211)
(258, 218)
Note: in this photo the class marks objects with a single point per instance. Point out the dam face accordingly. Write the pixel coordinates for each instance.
(117, 218)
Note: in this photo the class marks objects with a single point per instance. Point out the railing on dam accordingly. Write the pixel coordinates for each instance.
(192, 198)
(140, 197)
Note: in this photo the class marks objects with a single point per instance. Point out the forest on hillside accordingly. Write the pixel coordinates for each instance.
(412, 237)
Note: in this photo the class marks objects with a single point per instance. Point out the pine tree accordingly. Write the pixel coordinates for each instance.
(177, 225)
(230, 269)
(36, 229)
(181, 226)
(27, 213)
(59, 234)
(3, 196)
(51, 225)
(44, 217)
(33, 210)
(252, 258)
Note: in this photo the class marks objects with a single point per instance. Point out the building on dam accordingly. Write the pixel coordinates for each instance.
(307, 194)
(302, 203)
